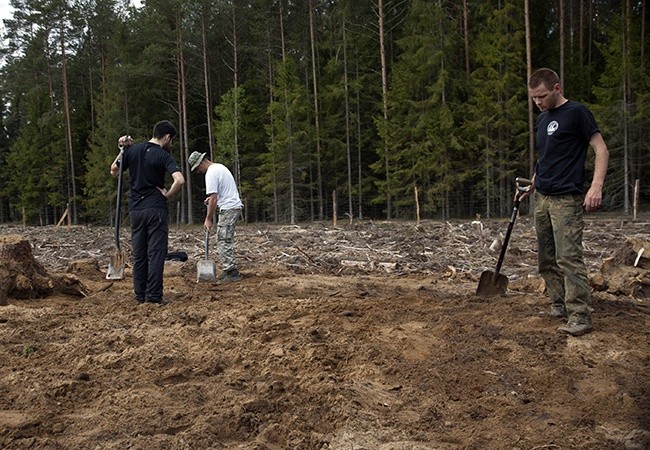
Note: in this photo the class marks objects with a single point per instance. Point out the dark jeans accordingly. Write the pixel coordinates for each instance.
(149, 236)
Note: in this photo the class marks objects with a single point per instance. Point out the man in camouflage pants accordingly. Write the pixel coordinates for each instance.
(222, 192)
(565, 131)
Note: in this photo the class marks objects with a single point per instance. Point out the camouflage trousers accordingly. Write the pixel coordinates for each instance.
(226, 237)
(559, 226)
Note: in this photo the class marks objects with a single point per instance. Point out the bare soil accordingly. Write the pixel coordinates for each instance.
(360, 336)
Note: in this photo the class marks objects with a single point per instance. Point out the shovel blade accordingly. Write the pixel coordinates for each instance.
(116, 266)
(206, 271)
(492, 284)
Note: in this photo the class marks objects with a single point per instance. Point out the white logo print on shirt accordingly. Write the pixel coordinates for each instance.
(552, 127)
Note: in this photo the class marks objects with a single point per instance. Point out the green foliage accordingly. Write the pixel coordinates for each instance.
(286, 162)
(36, 163)
(495, 123)
(100, 188)
(228, 124)
(622, 110)
(459, 135)
(421, 132)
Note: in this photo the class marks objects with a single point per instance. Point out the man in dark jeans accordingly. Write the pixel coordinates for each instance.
(148, 163)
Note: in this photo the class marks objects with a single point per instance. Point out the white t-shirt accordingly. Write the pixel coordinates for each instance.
(219, 180)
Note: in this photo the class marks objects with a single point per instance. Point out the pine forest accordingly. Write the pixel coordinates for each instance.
(361, 109)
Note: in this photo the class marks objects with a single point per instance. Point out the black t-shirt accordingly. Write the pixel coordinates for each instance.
(147, 164)
(563, 136)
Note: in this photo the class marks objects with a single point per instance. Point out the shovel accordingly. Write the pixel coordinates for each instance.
(116, 264)
(205, 269)
(494, 283)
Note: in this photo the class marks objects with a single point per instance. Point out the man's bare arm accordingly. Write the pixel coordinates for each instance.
(594, 197)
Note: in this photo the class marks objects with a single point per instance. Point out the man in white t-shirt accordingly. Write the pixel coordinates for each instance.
(221, 191)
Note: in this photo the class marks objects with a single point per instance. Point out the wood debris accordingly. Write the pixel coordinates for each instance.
(395, 247)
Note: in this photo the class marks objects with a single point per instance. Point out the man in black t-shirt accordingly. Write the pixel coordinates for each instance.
(565, 131)
(148, 163)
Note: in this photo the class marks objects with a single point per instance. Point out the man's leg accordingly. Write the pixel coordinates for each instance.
(546, 251)
(568, 226)
(226, 238)
(140, 263)
(158, 244)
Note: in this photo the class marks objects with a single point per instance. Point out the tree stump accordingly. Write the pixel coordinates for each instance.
(627, 270)
(22, 277)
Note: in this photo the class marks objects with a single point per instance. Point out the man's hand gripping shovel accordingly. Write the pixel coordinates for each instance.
(494, 283)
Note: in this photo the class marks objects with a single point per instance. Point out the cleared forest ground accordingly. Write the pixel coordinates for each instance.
(362, 336)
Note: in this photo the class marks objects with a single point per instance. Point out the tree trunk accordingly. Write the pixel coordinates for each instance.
(443, 96)
(591, 30)
(50, 81)
(466, 35)
(235, 54)
(627, 98)
(182, 114)
(529, 72)
(347, 120)
(292, 181)
(272, 146)
(489, 174)
(319, 179)
(562, 43)
(359, 143)
(581, 34)
(206, 82)
(384, 98)
(91, 91)
(642, 37)
(68, 125)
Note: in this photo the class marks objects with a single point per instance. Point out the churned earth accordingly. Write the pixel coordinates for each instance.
(364, 335)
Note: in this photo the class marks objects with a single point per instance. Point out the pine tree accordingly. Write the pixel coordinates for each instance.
(495, 125)
(421, 130)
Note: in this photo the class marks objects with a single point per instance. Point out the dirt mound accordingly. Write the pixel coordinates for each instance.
(390, 349)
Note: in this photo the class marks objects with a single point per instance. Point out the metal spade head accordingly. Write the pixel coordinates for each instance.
(116, 266)
(492, 284)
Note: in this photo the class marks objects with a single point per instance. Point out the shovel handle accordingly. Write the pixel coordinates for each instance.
(523, 185)
(118, 201)
(511, 224)
(521, 182)
(207, 240)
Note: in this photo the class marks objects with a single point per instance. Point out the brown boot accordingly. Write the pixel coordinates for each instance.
(576, 329)
(229, 276)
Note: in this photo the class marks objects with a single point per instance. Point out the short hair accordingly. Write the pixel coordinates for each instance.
(544, 76)
(162, 128)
